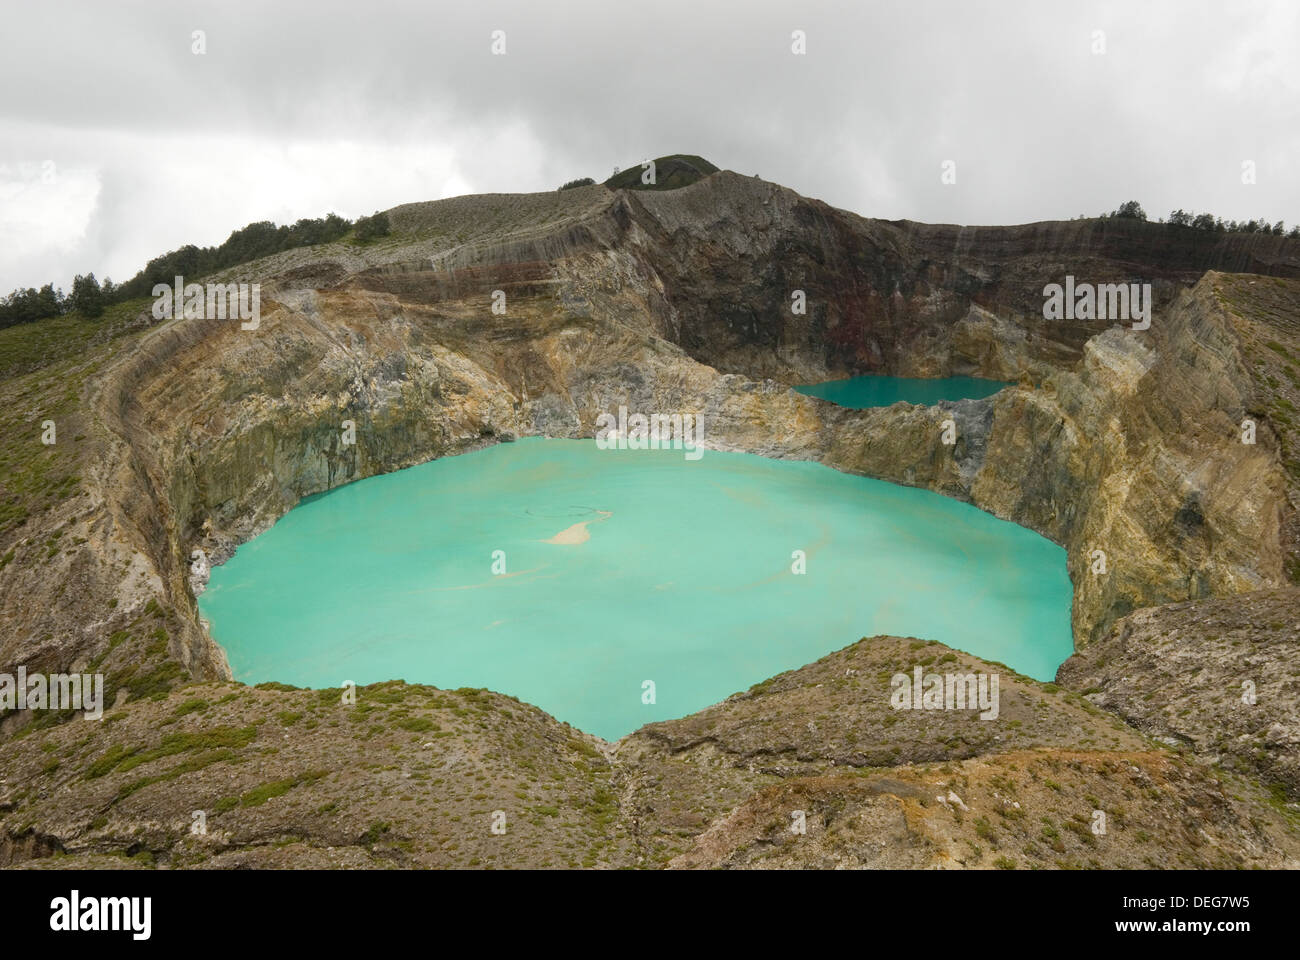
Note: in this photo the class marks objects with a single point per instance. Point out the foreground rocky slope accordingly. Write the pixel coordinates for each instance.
(1219, 676)
(194, 435)
(411, 776)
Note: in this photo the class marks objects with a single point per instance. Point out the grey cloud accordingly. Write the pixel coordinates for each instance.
(1039, 127)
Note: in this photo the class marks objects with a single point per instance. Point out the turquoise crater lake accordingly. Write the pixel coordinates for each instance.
(623, 566)
(862, 392)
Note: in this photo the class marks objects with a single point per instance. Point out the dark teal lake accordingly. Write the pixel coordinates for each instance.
(862, 392)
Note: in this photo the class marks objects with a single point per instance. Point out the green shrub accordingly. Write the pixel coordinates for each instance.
(372, 227)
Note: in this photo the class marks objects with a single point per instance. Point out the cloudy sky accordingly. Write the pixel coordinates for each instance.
(118, 142)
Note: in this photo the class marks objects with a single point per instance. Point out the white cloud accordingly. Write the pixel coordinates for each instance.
(44, 214)
(161, 191)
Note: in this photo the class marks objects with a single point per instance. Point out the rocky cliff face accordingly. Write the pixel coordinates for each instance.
(195, 435)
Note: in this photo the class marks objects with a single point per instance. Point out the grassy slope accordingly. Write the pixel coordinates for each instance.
(43, 367)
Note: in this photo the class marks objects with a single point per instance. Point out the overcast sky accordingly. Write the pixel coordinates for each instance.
(118, 142)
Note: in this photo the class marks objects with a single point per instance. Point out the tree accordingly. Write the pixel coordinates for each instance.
(1130, 210)
(307, 232)
(87, 298)
(30, 305)
(369, 228)
(17, 308)
(51, 301)
(580, 182)
(1181, 218)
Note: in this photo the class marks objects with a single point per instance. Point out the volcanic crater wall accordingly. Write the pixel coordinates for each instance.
(1114, 440)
